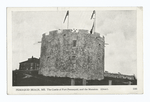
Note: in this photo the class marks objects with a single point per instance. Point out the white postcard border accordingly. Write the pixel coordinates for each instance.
(122, 89)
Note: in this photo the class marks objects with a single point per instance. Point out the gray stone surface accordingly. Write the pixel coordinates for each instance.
(61, 58)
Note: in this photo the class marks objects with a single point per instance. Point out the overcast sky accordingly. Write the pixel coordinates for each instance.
(118, 27)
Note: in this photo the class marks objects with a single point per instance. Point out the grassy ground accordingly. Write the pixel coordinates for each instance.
(32, 78)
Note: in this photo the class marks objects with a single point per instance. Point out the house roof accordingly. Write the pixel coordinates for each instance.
(31, 60)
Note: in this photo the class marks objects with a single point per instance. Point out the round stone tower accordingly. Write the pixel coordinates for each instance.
(72, 53)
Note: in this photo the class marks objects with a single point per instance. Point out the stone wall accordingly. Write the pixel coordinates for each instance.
(74, 54)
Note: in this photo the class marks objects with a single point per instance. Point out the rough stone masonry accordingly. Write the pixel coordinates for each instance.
(74, 54)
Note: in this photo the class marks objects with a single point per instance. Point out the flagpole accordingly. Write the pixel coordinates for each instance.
(95, 22)
(68, 21)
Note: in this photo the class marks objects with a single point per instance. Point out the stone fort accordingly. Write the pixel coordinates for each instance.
(72, 53)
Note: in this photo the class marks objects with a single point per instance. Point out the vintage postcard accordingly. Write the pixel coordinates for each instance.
(67, 50)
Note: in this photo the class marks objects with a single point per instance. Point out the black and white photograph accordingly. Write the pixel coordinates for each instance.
(74, 47)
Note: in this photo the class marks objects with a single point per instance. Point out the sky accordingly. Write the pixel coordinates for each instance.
(117, 26)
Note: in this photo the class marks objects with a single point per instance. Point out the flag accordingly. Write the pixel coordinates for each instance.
(67, 14)
(93, 14)
(91, 31)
